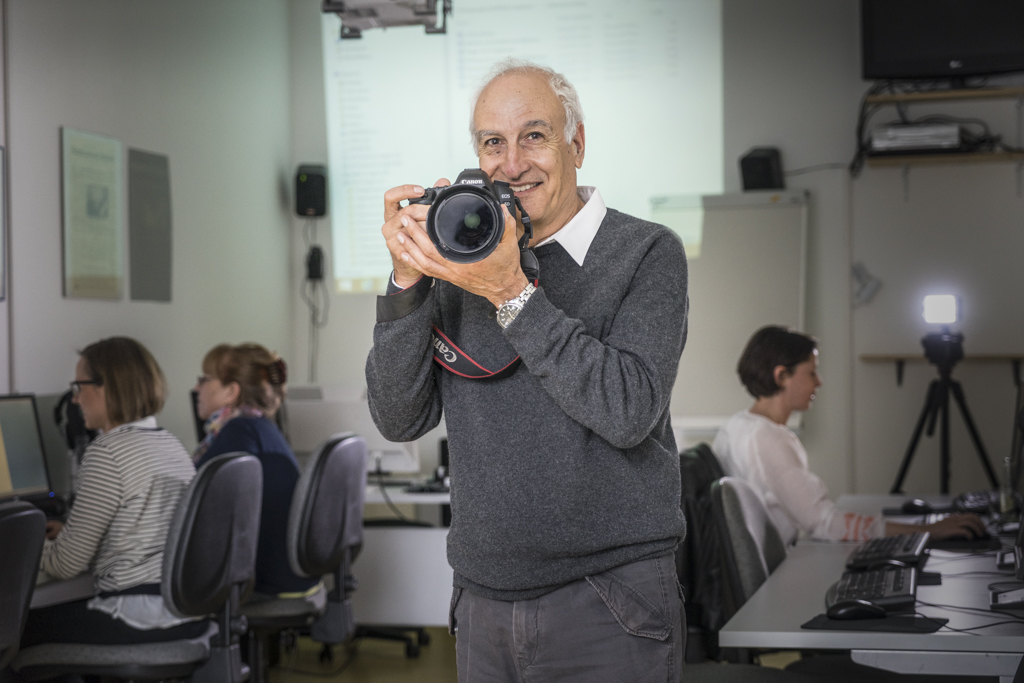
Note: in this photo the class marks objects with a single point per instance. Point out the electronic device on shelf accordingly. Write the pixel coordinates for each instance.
(905, 548)
(894, 588)
(913, 39)
(978, 502)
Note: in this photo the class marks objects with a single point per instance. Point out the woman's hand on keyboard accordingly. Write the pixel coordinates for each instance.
(957, 526)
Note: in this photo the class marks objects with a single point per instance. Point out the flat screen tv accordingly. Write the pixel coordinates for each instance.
(942, 39)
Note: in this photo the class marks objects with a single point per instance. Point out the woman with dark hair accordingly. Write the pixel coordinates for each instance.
(779, 367)
(132, 477)
(240, 390)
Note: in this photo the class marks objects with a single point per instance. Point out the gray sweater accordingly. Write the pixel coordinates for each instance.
(569, 467)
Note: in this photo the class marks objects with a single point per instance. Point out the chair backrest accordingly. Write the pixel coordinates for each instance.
(698, 557)
(326, 516)
(211, 544)
(751, 545)
(22, 529)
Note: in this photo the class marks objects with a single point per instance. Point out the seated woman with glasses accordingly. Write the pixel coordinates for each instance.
(779, 368)
(131, 480)
(240, 390)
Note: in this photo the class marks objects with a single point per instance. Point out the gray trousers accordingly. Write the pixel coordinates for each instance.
(625, 624)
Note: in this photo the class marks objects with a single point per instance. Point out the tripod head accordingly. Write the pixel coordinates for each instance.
(943, 349)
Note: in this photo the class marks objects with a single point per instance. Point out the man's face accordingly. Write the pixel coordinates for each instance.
(520, 140)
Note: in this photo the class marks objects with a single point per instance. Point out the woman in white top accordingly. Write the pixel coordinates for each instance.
(779, 368)
(132, 477)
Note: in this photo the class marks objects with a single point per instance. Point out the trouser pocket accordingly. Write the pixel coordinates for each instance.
(453, 626)
(640, 596)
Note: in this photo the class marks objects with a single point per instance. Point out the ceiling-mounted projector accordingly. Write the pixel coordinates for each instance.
(359, 15)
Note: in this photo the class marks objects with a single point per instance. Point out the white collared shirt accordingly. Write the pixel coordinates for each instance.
(577, 235)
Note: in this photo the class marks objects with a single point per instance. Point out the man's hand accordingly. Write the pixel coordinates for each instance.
(395, 230)
(53, 527)
(498, 278)
(957, 526)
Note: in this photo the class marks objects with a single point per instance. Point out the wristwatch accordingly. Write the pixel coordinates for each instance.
(508, 311)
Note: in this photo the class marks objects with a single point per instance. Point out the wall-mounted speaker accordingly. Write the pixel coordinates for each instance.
(311, 190)
(761, 169)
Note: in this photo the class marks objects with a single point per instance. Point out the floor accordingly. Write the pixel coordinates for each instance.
(370, 661)
(376, 661)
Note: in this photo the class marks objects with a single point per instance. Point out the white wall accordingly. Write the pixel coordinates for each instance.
(205, 83)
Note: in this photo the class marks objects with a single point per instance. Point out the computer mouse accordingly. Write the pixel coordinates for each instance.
(916, 506)
(855, 609)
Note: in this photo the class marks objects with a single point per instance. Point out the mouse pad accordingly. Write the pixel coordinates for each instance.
(895, 623)
(967, 545)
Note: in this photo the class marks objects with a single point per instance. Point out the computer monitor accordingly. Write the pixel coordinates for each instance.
(316, 413)
(23, 471)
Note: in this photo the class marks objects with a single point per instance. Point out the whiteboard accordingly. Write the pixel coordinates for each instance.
(747, 257)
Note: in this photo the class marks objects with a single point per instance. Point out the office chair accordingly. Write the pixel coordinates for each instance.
(324, 535)
(751, 545)
(698, 556)
(209, 562)
(22, 529)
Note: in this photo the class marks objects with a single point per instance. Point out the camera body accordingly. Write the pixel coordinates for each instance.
(465, 221)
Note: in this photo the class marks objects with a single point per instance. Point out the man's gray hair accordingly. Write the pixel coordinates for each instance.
(560, 85)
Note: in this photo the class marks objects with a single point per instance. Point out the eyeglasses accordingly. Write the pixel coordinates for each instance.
(76, 386)
(203, 379)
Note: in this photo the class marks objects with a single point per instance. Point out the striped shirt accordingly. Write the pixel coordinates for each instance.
(132, 478)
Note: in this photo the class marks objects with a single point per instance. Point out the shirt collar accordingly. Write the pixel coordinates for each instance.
(144, 423)
(577, 235)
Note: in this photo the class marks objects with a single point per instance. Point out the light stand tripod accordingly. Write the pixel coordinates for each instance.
(943, 350)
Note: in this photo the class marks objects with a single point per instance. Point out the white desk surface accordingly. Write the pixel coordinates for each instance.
(398, 495)
(795, 593)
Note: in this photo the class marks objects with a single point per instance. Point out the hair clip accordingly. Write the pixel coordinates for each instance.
(277, 373)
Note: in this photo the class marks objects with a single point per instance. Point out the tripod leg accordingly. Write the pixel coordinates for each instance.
(958, 394)
(929, 407)
(944, 438)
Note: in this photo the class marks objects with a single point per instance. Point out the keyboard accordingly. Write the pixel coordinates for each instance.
(979, 502)
(894, 588)
(428, 487)
(908, 548)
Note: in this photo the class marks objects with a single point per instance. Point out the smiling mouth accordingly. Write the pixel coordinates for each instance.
(523, 188)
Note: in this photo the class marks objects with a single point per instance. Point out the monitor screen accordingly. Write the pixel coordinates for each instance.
(907, 39)
(1018, 552)
(22, 463)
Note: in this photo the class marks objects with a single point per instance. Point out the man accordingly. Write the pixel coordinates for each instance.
(565, 474)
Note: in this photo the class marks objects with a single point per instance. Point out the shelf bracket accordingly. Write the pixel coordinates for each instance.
(906, 183)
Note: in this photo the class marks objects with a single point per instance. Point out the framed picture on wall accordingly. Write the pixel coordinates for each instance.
(92, 170)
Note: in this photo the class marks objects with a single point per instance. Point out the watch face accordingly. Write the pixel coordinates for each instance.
(507, 313)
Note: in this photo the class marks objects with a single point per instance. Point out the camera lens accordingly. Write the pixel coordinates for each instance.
(465, 223)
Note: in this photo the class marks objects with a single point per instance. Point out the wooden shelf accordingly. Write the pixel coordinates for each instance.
(896, 160)
(939, 95)
(919, 357)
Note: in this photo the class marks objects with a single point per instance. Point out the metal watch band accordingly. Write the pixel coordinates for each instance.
(508, 311)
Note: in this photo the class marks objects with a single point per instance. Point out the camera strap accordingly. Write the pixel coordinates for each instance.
(455, 360)
(452, 358)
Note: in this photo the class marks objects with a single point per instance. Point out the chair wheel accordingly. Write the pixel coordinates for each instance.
(412, 650)
(326, 654)
(422, 637)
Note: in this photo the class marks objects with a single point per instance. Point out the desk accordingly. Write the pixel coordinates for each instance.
(796, 592)
(403, 571)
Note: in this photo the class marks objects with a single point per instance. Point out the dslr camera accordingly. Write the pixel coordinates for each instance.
(465, 222)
